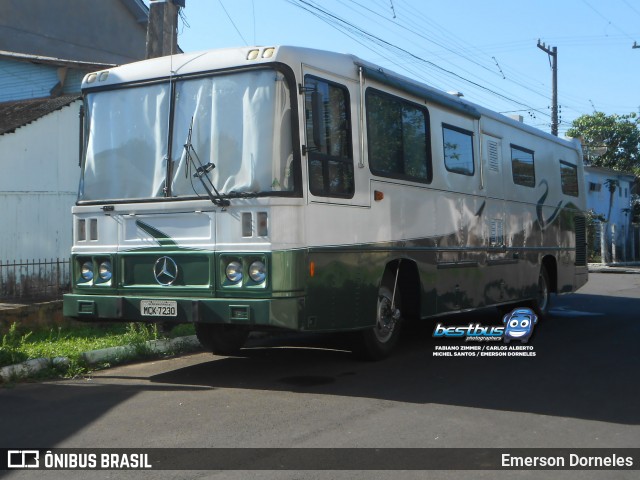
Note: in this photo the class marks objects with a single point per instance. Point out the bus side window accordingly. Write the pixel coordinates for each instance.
(458, 150)
(328, 138)
(569, 178)
(397, 132)
(523, 167)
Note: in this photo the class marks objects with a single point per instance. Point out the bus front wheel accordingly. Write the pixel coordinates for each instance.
(377, 342)
(221, 339)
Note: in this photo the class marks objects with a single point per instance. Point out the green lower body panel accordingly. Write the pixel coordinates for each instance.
(286, 313)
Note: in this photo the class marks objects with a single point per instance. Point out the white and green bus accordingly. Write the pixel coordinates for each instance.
(291, 189)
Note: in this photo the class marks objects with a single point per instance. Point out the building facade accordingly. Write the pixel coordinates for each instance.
(46, 48)
(609, 196)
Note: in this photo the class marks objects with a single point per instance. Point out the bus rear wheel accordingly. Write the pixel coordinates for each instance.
(221, 339)
(377, 342)
(542, 303)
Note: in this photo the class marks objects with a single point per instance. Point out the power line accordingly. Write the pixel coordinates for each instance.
(233, 23)
(631, 7)
(457, 52)
(607, 20)
(330, 17)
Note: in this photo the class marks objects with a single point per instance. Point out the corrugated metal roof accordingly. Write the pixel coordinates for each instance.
(89, 66)
(608, 171)
(14, 115)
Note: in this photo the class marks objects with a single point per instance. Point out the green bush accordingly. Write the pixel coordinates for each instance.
(11, 347)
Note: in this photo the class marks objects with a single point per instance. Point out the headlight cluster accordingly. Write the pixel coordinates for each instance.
(249, 272)
(95, 271)
(234, 272)
(258, 271)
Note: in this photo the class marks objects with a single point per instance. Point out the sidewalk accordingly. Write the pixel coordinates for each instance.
(628, 267)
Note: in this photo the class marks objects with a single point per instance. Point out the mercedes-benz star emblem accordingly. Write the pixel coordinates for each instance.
(165, 270)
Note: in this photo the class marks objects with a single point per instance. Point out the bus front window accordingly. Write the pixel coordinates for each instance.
(238, 122)
(126, 143)
(241, 124)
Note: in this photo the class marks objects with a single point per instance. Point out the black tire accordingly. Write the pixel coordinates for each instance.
(542, 304)
(379, 341)
(221, 339)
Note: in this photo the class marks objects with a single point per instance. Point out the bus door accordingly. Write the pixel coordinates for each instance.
(338, 199)
(497, 262)
(335, 173)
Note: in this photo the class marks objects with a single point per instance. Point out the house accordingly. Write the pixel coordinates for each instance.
(46, 48)
(609, 198)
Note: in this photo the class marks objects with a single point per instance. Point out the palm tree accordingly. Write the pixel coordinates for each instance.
(612, 185)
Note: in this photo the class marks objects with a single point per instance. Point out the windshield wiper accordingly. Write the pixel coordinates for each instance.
(236, 194)
(201, 171)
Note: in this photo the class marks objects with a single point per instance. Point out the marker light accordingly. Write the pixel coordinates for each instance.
(263, 224)
(268, 52)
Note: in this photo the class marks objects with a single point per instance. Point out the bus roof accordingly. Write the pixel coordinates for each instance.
(342, 64)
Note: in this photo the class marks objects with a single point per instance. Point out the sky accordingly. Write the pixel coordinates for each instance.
(487, 50)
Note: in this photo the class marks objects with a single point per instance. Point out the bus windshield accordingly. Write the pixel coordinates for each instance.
(235, 127)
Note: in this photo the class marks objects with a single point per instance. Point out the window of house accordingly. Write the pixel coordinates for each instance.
(398, 137)
(328, 138)
(458, 150)
(595, 187)
(569, 178)
(522, 166)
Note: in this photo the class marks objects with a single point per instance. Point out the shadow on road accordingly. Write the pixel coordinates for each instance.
(586, 366)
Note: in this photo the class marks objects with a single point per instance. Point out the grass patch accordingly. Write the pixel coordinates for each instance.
(18, 345)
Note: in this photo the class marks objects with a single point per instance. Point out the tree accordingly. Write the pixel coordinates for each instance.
(610, 141)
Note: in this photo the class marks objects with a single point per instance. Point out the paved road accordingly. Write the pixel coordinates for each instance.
(580, 390)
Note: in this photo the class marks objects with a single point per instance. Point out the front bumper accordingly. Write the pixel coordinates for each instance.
(285, 313)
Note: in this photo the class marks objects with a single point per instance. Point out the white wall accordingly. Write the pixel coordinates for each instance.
(39, 177)
(599, 201)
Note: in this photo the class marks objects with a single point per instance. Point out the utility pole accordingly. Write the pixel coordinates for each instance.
(162, 35)
(553, 54)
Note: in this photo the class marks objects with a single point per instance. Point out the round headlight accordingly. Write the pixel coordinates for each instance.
(86, 271)
(257, 271)
(234, 271)
(104, 272)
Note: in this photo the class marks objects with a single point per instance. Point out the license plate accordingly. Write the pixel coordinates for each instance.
(158, 308)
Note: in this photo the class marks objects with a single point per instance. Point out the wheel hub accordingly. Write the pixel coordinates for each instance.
(386, 319)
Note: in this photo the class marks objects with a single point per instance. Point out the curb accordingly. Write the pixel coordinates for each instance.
(154, 346)
(114, 354)
(628, 269)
